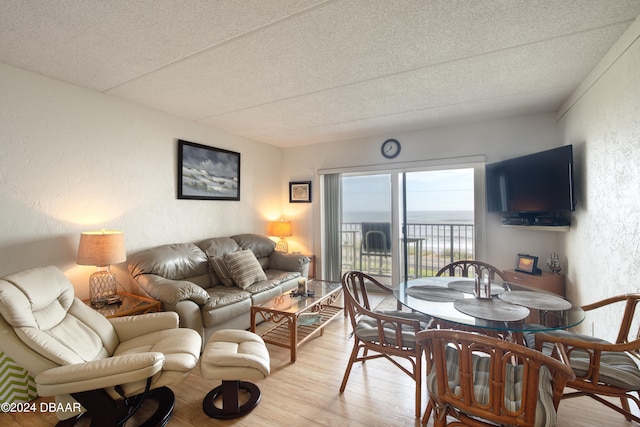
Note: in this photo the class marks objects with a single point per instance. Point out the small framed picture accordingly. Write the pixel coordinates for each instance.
(527, 264)
(300, 192)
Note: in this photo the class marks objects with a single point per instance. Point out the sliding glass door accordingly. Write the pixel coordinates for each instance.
(407, 224)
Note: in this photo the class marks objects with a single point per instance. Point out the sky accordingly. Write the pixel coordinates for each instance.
(446, 190)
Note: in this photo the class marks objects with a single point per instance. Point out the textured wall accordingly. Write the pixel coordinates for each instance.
(495, 139)
(604, 243)
(73, 160)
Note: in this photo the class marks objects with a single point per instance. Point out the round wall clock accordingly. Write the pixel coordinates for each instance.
(390, 148)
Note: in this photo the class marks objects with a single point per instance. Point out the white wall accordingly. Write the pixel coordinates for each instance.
(497, 140)
(603, 120)
(73, 160)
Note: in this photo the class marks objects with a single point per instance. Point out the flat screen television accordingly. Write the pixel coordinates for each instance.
(536, 184)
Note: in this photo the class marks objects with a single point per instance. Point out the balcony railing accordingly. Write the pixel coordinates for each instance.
(431, 247)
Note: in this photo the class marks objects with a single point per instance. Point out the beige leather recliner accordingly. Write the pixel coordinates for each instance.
(107, 365)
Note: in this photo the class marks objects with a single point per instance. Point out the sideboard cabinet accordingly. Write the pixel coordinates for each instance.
(546, 281)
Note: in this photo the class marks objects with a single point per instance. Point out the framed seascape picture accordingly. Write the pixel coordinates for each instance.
(527, 264)
(207, 173)
(300, 192)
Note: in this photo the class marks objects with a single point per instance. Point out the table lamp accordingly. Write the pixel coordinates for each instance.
(281, 229)
(101, 248)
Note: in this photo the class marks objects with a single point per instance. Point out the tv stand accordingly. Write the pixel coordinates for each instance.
(536, 219)
(540, 227)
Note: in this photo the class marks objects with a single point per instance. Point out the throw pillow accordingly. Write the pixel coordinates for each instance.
(244, 268)
(287, 262)
(220, 268)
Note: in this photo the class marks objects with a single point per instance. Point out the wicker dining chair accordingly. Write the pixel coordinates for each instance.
(389, 335)
(484, 381)
(466, 268)
(602, 368)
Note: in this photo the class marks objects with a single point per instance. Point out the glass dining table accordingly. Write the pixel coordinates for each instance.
(511, 309)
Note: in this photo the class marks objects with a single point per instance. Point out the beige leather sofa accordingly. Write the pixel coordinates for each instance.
(191, 279)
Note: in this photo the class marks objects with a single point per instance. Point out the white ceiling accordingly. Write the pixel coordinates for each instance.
(296, 72)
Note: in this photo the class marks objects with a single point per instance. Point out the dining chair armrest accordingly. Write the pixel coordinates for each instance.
(604, 302)
(632, 301)
(574, 342)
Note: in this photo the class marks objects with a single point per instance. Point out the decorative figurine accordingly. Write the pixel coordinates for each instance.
(554, 263)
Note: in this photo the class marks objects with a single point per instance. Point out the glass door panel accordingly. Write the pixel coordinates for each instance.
(367, 231)
(438, 219)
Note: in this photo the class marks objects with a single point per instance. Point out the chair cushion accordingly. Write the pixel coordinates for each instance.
(244, 268)
(235, 355)
(37, 304)
(367, 330)
(545, 412)
(616, 368)
(37, 298)
(180, 346)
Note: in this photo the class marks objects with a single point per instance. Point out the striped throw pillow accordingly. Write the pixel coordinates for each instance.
(244, 268)
(220, 269)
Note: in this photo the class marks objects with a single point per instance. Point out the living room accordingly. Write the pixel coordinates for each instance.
(74, 159)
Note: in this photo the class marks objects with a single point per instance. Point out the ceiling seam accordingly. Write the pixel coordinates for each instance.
(585, 90)
(415, 110)
(451, 61)
(222, 43)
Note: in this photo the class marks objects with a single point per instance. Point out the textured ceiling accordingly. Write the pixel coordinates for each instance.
(296, 72)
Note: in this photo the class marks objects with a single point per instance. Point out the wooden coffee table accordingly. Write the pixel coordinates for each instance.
(296, 319)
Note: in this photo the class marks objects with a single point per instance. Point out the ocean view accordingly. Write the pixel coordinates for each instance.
(438, 237)
(413, 217)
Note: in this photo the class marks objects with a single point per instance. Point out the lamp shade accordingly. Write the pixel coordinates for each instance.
(280, 229)
(101, 248)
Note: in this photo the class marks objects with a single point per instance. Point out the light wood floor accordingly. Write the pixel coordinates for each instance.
(306, 394)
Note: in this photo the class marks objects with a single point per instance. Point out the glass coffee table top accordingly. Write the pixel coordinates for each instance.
(288, 303)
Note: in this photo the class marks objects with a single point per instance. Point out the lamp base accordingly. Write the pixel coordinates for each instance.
(102, 285)
(282, 246)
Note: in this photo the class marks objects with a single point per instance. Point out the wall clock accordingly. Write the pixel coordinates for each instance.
(390, 148)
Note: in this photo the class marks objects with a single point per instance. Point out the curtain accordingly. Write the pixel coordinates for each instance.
(332, 212)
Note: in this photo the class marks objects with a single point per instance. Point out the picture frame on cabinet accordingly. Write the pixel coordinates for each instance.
(527, 264)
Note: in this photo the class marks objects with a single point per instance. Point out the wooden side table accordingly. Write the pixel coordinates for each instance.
(546, 281)
(129, 305)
